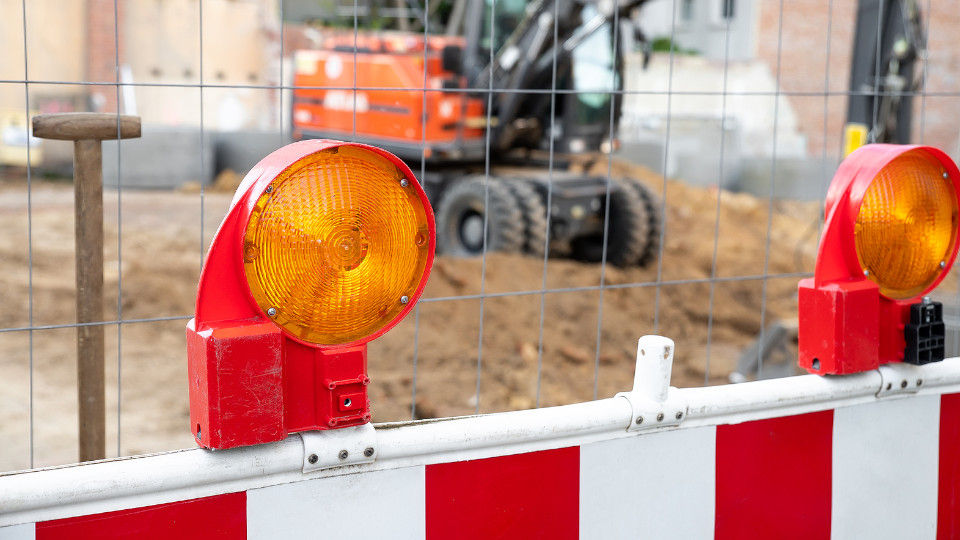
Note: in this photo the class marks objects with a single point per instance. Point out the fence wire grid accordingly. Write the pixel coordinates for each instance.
(728, 114)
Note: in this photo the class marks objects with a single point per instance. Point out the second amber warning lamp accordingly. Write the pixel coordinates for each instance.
(889, 238)
(326, 246)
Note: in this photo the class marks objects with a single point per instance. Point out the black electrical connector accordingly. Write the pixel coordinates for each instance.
(926, 333)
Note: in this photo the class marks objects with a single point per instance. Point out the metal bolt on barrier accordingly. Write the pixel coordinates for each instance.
(324, 449)
(87, 131)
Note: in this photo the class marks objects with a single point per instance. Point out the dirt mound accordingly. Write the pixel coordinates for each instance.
(539, 326)
(525, 363)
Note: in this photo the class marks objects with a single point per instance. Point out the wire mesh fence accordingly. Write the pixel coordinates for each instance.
(596, 175)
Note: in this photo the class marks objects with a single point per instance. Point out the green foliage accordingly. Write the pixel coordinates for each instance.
(666, 44)
(328, 13)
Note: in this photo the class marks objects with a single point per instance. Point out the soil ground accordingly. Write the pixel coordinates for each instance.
(539, 344)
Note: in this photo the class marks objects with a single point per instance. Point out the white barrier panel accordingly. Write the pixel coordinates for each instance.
(874, 455)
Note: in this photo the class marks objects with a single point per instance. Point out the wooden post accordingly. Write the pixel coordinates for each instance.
(87, 130)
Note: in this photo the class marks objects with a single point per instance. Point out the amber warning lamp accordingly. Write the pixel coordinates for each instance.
(889, 238)
(326, 246)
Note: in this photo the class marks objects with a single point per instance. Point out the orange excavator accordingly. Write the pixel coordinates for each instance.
(498, 121)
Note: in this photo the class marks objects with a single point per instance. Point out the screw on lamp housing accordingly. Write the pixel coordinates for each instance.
(889, 236)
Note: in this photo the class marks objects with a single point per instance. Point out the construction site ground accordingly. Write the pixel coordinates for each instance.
(537, 349)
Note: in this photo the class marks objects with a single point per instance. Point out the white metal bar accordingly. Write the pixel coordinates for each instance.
(666, 157)
(122, 105)
(549, 205)
(130, 482)
(773, 190)
(559, 91)
(606, 217)
(732, 404)
(486, 204)
(719, 208)
(139, 481)
(477, 437)
(26, 94)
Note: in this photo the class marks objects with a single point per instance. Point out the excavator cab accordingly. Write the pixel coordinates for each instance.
(595, 80)
(494, 118)
(514, 47)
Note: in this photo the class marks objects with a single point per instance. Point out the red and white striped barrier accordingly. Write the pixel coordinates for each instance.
(872, 455)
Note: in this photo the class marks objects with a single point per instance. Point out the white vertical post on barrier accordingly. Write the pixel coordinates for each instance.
(651, 378)
(652, 399)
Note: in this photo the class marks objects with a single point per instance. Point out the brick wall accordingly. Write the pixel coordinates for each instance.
(938, 112)
(809, 66)
(102, 51)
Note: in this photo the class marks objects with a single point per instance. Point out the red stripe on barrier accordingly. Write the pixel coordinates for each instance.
(948, 492)
(533, 495)
(774, 478)
(221, 516)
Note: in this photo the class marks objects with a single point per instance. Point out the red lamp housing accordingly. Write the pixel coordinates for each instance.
(889, 238)
(326, 246)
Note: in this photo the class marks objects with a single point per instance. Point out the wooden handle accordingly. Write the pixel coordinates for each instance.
(88, 193)
(86, 126)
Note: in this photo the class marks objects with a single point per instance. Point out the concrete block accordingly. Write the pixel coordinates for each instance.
(239, 151)
(162, 158)
(693, 149)
(646, 153)
(793, 178)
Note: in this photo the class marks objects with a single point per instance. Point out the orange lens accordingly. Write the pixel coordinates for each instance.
(336, 246)
(907, 226)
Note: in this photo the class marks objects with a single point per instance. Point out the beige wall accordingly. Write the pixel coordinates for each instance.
(240, 39)
(55, 43)
(161, 44)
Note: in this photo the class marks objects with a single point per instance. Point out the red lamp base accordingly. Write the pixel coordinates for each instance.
(250, 384)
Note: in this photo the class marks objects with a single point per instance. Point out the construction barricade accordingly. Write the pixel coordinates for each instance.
(869, 455)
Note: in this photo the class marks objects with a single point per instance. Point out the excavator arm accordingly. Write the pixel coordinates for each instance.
(548, 31)
(888, 42)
